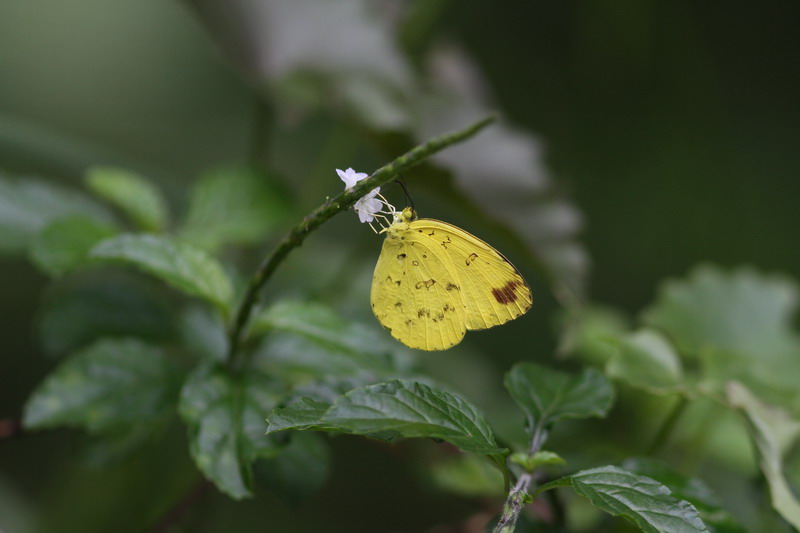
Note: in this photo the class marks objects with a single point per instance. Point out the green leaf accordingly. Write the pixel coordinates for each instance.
(409, 409)
(336, 347)
(181, 265)
(301, 413)
(773, 432)
(132, 194)
(225, 415)
(87, 307)
(27, 205)
(234, 206)
(646, 360)
(738, 325)
(65, 243)
(468, 475)
(642, 500)
(540, 458)
(299, 470)
(308, 403)
(547, 395)
(742, 311)
(108, 385)
(691, 489)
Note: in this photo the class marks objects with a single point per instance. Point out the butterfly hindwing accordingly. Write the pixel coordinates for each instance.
(413, 294)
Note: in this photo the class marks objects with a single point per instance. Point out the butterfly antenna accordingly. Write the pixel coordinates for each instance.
(402, 182)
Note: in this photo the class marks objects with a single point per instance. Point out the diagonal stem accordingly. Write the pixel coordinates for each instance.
(322, 214)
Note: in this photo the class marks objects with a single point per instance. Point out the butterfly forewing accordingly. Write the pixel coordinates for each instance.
(414, 292)
(493, 290)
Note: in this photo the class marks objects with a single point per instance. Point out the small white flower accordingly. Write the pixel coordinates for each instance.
(368, 205)
(350, 177)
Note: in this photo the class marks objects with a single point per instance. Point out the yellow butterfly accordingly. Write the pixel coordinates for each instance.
(434, 281)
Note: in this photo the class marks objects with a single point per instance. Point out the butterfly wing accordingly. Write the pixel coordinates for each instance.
(413, 293)
(493, 290)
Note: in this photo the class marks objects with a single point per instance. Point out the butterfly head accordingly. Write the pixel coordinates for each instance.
(408, 214)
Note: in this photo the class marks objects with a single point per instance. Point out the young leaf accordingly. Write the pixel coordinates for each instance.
(131, 193)
(547, 395)
(110, 384)
(642, 500)
(646, 360)
(95, 305)
(773, 432)
(26, 206)
(411, 409)
(225, 415)
(65, 243)
(183, 266)
(233, 206)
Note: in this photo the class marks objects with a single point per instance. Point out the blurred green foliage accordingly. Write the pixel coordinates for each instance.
(151, 153)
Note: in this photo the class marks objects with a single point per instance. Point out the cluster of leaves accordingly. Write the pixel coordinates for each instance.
(128, 369)
(723, 336)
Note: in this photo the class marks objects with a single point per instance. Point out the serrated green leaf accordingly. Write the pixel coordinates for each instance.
(299, 470)
(181, 265)
(411, 409)
(131, 193)
(691, 489)
(83, 309)
(642, 500)
(646, 360)
(225, 415)
(307, 405)
(65, 243)
(234, 206)
(300, 414)
(773, 432)
(547, 395)
(27, 205)
(110, 384)
(336, 347)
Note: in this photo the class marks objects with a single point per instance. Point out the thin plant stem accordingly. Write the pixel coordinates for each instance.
(667, 426)
(325, 212)
(518, 495)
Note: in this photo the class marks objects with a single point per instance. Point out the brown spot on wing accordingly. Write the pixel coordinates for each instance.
(472, 257)
(428, 283)
(452, 287)
(505, 294)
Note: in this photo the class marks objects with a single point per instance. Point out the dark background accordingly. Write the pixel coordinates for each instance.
(674, 127)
